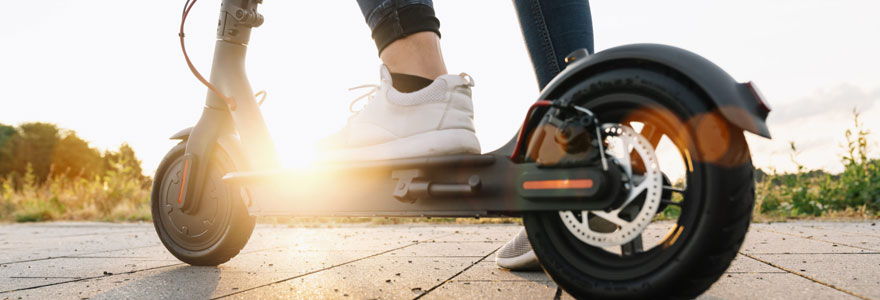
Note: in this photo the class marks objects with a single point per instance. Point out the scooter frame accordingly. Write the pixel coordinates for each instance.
(489, 185)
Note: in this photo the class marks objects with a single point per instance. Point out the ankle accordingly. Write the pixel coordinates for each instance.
(418, 54)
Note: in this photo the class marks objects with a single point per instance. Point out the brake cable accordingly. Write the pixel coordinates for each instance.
(186, 8)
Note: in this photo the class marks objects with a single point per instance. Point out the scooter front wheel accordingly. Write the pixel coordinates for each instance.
(214, 231)
(608, 254)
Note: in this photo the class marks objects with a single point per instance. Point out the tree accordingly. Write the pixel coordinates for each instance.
(125, 156)
(8, 136)
(35, 145)
(74, 158)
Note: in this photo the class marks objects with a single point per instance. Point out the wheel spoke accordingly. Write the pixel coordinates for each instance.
(670, 202)
(674, 189)
(635, 192)
(610, 216)
(633, 247)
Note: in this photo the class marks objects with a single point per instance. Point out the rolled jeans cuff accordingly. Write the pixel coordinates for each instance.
(391, 24)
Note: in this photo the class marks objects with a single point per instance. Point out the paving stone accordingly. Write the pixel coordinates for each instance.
(40, 247)
(743, 264)
(381, 277)
(488, 233)
(760, 241)
(488, 271)
(495, 290)
(342, 239)
(80, 267)
(12, 283)
(477, 249)
(395, 262)
(859, 273)
(189, 282)
(285, 261)
(770, 286)
(830, 234)
(177, 282)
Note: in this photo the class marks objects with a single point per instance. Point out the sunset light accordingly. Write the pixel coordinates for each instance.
(402, 149)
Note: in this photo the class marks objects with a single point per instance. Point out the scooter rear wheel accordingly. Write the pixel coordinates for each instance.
(716, 195)
(217, 229)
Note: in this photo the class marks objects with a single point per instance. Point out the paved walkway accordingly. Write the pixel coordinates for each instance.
(800, 260)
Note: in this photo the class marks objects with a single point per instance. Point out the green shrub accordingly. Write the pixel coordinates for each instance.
(856, 190)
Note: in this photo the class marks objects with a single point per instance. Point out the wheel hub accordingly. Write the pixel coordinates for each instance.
(623, 223)
(194, 229)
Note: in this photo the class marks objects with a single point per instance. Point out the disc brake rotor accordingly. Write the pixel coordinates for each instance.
(648, 187)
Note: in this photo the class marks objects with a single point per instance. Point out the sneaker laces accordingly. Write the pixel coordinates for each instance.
(373, 89)
(469, 81)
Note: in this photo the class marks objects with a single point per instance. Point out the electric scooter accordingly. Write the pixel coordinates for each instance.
(584, 171)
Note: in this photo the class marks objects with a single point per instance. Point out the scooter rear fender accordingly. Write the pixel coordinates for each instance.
(739, 103)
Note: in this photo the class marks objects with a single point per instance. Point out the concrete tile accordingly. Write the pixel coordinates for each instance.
(381, 277)
(178, 282)
(51, 230)
(80, 267)
(341, 239)
(869, 227)
(449, 249)
(494, 233)
(770, 286)
(8, 284)
(488, 271)
(505, 290)
(829, 232)
(743, 264)
(26, 248)
(156, 252)
(859, 273)
(243, 272)
(759, 241)
(287, 261)
(280, 253)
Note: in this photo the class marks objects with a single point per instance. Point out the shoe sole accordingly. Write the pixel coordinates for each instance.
(432, 143)
(525, 262)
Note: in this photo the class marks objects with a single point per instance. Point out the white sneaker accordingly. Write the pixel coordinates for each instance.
(517, 254)
(436, 120)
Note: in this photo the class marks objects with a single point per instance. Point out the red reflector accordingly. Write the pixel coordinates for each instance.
(558, 184)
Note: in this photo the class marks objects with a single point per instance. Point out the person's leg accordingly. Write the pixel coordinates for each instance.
(407, 36)
(552, 30)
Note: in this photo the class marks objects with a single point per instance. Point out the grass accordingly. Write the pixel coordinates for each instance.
(123, 195)
(853, 193)
(120, 195)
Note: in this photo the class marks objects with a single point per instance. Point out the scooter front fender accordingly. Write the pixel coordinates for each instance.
(229, 143)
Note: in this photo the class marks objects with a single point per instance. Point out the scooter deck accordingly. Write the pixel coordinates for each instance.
(489, 185)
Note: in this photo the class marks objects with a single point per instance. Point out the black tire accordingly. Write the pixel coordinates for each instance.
(214, 233)
(715, 213)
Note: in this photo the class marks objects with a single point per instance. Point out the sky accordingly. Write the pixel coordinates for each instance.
(113, 72)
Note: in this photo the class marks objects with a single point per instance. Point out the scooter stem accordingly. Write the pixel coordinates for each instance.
(228, 75)
(237, 18)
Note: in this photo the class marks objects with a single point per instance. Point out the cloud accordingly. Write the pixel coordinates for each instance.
(836, 101)
(816, 124)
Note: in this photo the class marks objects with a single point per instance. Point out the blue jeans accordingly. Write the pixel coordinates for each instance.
(551, 28)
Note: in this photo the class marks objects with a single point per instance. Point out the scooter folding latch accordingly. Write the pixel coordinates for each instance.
(411, 186)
